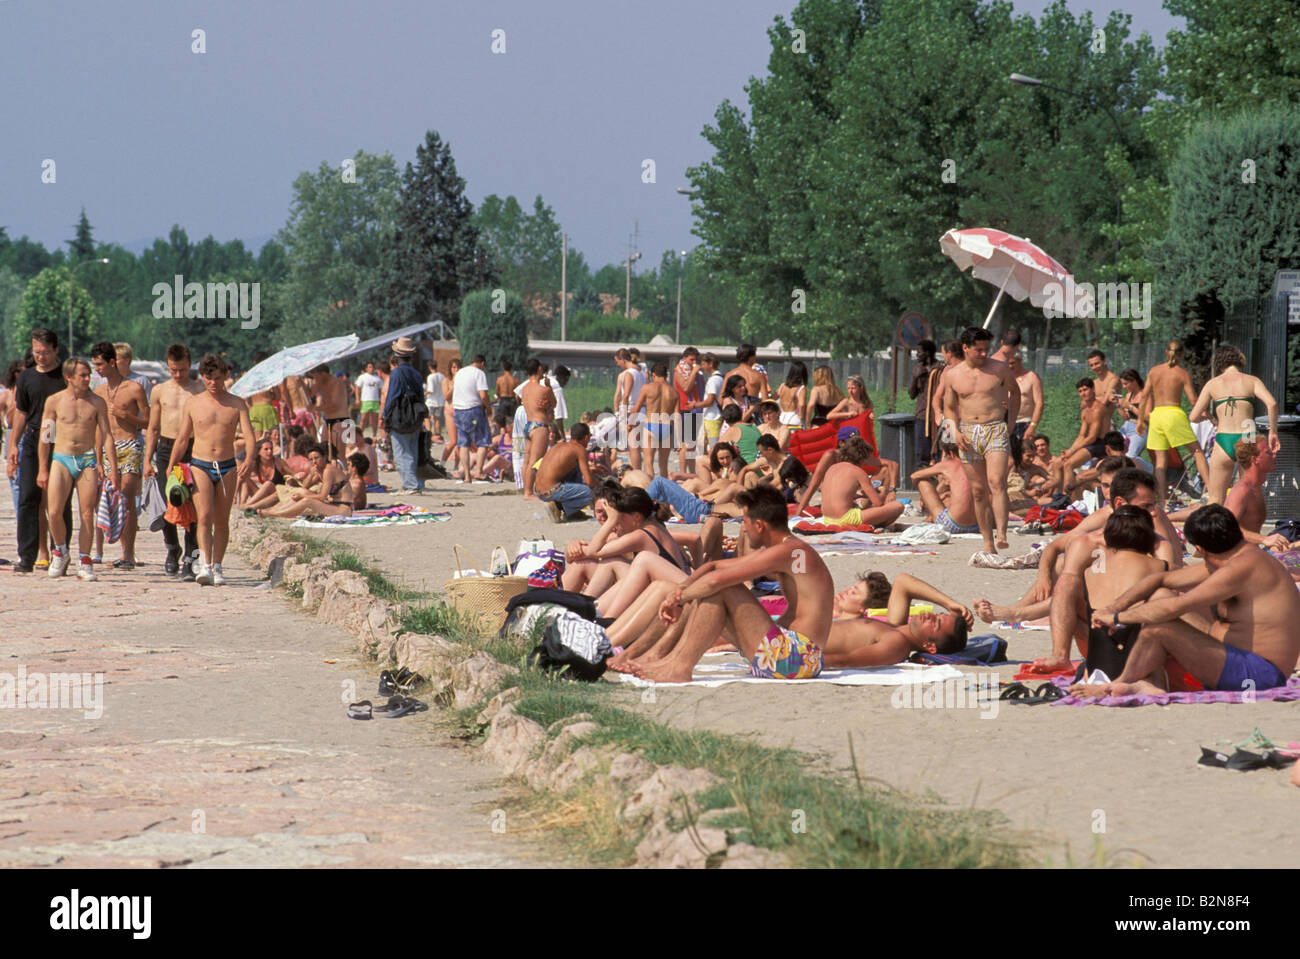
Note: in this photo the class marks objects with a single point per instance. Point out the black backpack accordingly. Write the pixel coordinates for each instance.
(408, 413)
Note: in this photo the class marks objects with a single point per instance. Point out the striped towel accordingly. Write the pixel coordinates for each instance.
(111, 513)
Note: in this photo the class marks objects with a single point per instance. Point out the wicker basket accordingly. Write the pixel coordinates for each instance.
(484, 597)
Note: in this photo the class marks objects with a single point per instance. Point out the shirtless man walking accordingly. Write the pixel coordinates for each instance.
(210, 418)
(538, 401)
(506, 385)
(1250, 643)
(331, 397)
(78, 421)
(166, 414)
(715, 602)
(128, 413)
(1169, 426)
(659, 400)
(978, 392)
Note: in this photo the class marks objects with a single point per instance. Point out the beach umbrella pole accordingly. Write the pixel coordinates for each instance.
(997, 299)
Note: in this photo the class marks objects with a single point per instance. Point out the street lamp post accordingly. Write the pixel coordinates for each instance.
(71, 274)
(1119, 135)
(678, 337)
(627, 299)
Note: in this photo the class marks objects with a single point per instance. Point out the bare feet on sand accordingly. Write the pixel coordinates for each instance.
(992, 613)
(665, 671)
(1003, 542)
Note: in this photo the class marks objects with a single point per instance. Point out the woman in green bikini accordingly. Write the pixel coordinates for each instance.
(1229, 400)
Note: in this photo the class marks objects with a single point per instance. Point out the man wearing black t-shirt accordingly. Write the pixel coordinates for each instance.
(34, 386)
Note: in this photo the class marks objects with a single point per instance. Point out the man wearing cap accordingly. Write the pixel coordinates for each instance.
(472, 412)
(404, 380)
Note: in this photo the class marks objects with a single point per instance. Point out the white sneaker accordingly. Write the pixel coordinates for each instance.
(202, 573)
(86, 573)
(58, 564)
(217, 578)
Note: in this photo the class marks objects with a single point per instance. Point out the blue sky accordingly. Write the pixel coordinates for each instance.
(146, 133)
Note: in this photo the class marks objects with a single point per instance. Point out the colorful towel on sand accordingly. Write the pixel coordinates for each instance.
(1280, 694)
(815, 527)
(393, 516)
(712, 672)
(1003, 624)
(841, 548)
(1028, 673)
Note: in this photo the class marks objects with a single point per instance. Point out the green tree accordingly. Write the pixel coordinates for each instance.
(495, 324)
(45, 303)
(527, 251)
(433, 257)
(333, 242)
(860, 151)
(27, 257)
(11, 295)
(82, 245)
(1234, 216)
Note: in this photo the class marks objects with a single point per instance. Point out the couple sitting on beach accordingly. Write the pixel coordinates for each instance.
(668, 623)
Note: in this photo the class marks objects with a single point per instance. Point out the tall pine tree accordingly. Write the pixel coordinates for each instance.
(434, 256)
(82, 246)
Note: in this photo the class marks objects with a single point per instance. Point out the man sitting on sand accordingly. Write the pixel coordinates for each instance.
(1121, 485)
(830, 458)
(1098, 567)
(855, 641)
(959, 515)
(845, 480)
(564, 476)
(1251, 642)
(714, 602)
(1245, 499)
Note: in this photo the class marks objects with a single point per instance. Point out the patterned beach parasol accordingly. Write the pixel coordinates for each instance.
(1014, 265)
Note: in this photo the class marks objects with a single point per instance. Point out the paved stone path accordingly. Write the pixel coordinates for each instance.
(223, 739)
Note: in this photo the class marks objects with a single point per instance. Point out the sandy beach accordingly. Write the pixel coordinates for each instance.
(1087, 785)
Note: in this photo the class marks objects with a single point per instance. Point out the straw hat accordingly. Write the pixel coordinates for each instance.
(403, 346)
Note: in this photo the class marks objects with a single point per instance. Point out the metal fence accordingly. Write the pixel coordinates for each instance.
(876, 370)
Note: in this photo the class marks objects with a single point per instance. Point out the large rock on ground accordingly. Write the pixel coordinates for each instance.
(690, 848)
(557, 751)
(476, 678)
(512, 740)
(570, 772)
(627, 771)
(345, 595)
(664, 789)
(502, 701)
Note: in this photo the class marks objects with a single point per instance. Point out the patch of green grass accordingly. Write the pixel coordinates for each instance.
(344, 557)
(785, 803)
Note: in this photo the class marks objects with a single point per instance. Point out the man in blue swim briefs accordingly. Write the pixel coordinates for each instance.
(210, 419)
(659, 400)
(714, 602)
(1249, 644)
(74, 427)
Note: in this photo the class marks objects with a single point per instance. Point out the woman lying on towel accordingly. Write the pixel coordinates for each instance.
(632, 549)
(338, 499)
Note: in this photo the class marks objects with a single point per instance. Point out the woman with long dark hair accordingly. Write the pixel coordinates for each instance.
(791, 395)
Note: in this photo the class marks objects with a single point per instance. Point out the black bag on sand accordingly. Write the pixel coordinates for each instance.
(573, 647)
(428, 468)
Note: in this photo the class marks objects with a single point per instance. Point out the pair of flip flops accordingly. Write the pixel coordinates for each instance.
(402, 681)
(1244, 760)
(1018, 694)
(395, 708)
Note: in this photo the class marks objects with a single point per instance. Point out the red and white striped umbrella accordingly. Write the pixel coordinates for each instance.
(1015, 266)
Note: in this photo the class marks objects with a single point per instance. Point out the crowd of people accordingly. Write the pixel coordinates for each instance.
(313, 446)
